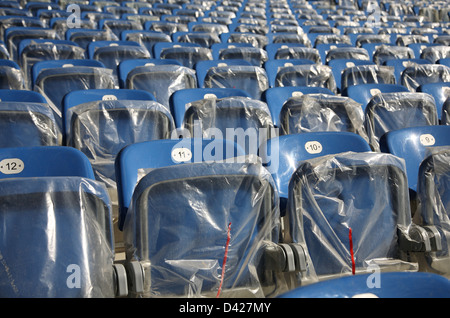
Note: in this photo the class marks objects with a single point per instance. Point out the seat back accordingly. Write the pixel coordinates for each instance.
(363, 93)
(238, 206)
(236, 118)
(411, 144)
(181, 99)
(251, 79)
(439, 91)
(161, 80)
(306, 75)
(72, 211)
(433, 189)
(399, 65)
(28, 124)
(390, 111)
(319, 112)
(339, 65)
(100, 129)
(366, 74)
(282, 155)
(202, 67)
(275, 97)
(414, 76)
(350, 208)
(136, 160)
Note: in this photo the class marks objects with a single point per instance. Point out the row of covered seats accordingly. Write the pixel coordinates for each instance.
(249, 226)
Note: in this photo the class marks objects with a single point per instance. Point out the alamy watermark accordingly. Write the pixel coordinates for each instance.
(74, 20)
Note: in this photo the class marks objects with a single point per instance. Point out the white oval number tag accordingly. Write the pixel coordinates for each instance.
(11, 166)
(181, 154)
(313, 147)
(427, 140)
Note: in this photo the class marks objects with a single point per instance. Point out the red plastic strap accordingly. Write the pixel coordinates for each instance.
(224, 259)
(351, 249)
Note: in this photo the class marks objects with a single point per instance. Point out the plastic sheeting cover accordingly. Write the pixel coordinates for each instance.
(320, 112)
(101, 129)
(434, 202)
(390, 111)
(55, 228)
(364, 192)
(184, 218)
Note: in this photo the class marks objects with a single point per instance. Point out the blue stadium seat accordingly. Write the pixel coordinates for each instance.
(126, 66)
(25, 124)
(239, 118)
(398, 285)
(117, 26)
(204, 39)
(180, 99)
(238, 206)
(100, 129)
(14, 35)
(252, 79)
(391, 111)
(161, 80)
(411, 144)
(11, 75)
(273, 48)
(399, 65)
(202, 67)
(54, 79)
(320, 112)
(298, 52)
(216, 48)
(272, 67)
(363, 93)
(31, 51)
(414, 76)
(366, 74)
(439, 91)
(148, 39)
(347, 53)
(256, 56)
(275, 97)
(282, 155)
(48, 194)
(432, 188)
(339, 65)
(352, 212)
(137, 159)
(188, 56)
(306, 75)
(83, 37)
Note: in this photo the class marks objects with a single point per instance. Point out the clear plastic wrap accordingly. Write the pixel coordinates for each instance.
(315, 75)
(414, 76)
(15, 35)
(291, 38)
(320, 112)
(372, 38)
(251, 79)
(256, 40)
(434, 204)
(435, 53)
(299, 53)
(332, 39)
(56, 238)
(347, 53)
(11, 78)
(37, 51)
(385, 52)
(351, 210)
(161, 80)
(255, 56)
(405, 40)
(101, 129)
(391, 111)
(367, 74)
(230, 118)
(27, 124)
(186, 221)
(203, 39)
(55, 83)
